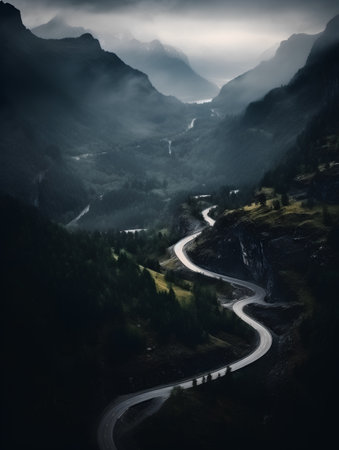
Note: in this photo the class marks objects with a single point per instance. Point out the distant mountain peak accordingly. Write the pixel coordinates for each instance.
(88, 41)
(295, 45)
(87, 37)
(58, 19)
(333, 24)
(58, 28)
(290, 56)
(328, 39)
(168, 68)
(156, 43)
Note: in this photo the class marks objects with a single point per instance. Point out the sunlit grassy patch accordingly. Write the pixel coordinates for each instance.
(296, 214)
(183, 295)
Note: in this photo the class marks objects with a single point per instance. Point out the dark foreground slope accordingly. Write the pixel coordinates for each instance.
(64, 330)
(82, 323)
(69, 322)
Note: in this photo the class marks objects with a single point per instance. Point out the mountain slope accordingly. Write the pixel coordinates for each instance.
(61, 98)
(248, 146)
(169, 70)
(57, 28)
(252, 85)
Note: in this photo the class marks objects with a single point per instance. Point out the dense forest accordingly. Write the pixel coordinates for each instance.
(71, 313)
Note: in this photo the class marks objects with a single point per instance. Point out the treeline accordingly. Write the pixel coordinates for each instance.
(148, 245)
(230, 197)
(122, 208)
(203, 315)
(214, 319)
(141, 203)
(145, 246)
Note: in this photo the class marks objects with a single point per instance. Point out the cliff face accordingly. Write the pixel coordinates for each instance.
(239, 251)
(253, 251)
(261, 252)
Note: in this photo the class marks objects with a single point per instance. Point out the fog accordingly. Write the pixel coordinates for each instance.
(221, 38)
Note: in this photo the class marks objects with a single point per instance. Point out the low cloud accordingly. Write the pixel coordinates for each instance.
(221, 37)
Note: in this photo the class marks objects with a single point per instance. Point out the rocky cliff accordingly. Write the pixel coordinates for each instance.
(265, 245)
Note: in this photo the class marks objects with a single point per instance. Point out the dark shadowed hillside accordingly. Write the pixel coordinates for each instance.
(83, 322)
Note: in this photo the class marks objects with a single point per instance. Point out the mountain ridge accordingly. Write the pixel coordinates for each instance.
(76, 97)
(247, 146)
(168, 68)
(290, 56)
(57, 28)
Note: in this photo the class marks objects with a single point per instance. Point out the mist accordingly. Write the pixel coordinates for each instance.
(222, 39)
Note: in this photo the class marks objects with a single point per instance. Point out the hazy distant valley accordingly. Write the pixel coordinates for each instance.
(108, 130)
(168, 68)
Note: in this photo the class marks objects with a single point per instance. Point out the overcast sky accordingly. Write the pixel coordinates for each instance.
(222, 38)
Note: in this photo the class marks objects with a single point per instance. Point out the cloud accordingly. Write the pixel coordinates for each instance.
(188, 5)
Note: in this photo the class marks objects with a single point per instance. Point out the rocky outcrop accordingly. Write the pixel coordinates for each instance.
(243, 249)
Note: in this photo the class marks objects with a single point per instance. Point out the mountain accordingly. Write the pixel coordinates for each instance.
(169, 69)
(244, 148)
(81, 127)
(327, 42)
(68, 97)
(268, 53)
(57, 28)
(254, 84)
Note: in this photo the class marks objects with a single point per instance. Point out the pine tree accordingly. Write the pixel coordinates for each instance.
(284, 199)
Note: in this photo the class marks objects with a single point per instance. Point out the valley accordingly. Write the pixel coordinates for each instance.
(169, 265)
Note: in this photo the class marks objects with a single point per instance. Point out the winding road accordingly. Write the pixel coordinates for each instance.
(115, 411)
